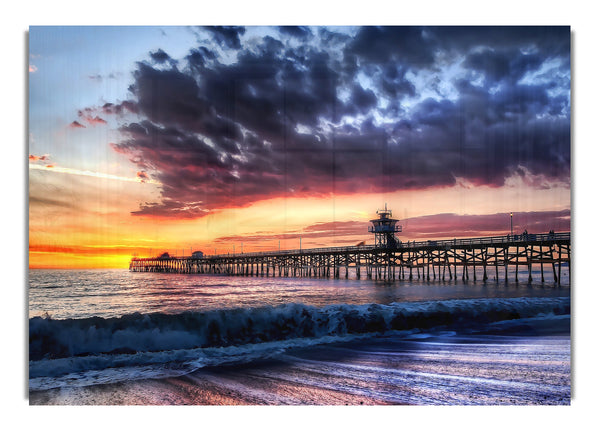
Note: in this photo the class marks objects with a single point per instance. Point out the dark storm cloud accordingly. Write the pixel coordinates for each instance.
(299, 32)
(161, 57)
(393, 82)
(336, 111)
(227, 36)
(548, 41)
(493, 64)
(120, 108)
(407, 45)
(197, 58)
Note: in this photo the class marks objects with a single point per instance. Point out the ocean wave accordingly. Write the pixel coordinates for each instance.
(103, 369)
(156, 332)
(80, 352)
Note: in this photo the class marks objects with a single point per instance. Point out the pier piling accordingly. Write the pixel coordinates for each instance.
(383, 262)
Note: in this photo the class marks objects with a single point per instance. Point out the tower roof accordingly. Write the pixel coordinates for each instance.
(384, 215)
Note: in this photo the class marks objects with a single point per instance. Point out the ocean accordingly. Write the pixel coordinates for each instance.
(113, 337)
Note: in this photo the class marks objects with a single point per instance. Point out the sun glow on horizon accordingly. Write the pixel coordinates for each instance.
(281, 223)
(239, 144)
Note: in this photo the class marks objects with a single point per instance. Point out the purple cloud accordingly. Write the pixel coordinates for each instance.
(310, 112)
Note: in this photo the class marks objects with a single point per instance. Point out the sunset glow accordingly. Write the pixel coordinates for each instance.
(234, 139)
(53, 168)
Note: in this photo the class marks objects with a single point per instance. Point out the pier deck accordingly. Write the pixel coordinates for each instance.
(440, 259)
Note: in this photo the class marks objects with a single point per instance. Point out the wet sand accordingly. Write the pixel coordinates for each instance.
(486, 369)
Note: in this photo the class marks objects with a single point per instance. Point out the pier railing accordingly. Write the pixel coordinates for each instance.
(406, 245)
(428, 258)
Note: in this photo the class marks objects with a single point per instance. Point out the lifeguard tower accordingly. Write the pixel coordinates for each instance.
(384, 229)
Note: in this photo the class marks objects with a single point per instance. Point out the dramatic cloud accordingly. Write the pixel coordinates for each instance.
(160, 56)
(296, 31)
(256, 113)
(227, 36)
(119, 108)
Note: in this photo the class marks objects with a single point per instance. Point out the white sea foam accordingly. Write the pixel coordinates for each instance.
(88, 351)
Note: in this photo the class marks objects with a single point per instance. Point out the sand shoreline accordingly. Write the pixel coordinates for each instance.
(472, 369)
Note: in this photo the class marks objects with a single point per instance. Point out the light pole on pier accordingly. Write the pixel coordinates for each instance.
(511, 225)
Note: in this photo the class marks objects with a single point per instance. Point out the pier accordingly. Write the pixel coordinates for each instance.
(389, 258)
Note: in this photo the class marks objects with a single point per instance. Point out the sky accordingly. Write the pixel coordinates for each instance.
(229, 139)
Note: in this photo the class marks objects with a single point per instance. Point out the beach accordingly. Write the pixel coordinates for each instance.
(419, 344)
(486, 370)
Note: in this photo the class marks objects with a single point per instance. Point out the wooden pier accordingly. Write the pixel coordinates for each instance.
(485, 257)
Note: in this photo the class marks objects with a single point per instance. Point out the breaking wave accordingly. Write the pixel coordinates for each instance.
(158, 345)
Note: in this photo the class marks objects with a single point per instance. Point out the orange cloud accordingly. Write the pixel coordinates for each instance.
(95, 120)
(142, 176)
(83, 250)
(34, 158)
